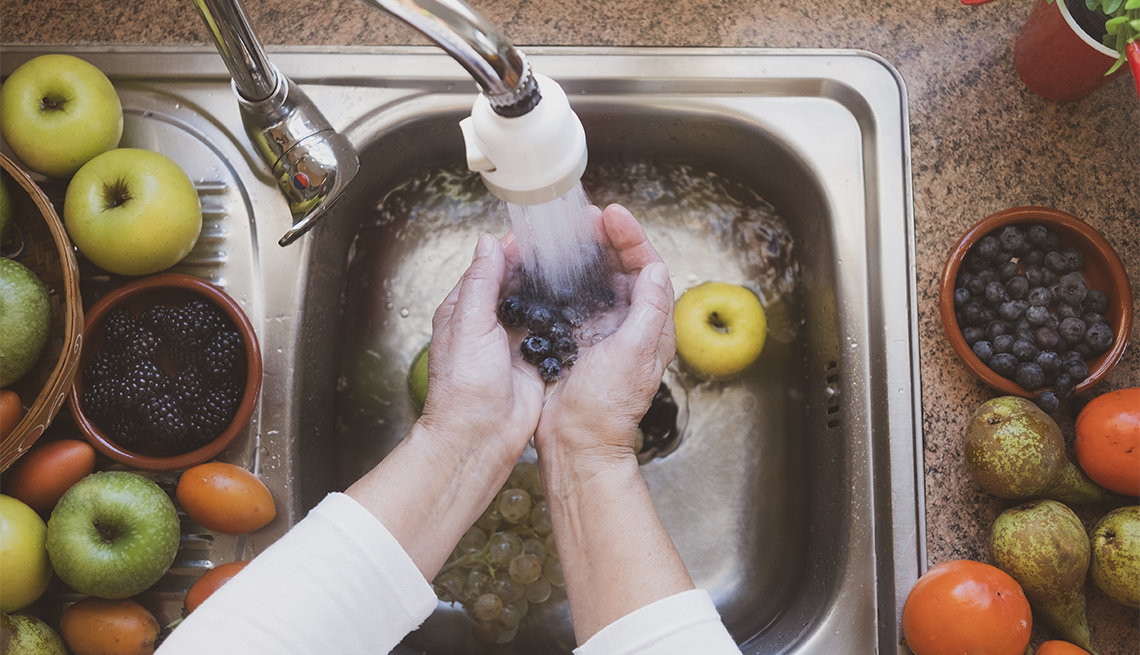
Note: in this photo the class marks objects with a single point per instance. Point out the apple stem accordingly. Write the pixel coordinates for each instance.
(716, 321)
(107, 534)
(51, 103)
(116, 194)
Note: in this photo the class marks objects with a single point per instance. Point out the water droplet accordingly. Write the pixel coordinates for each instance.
(597, 339)
(388, 305)
(404, 312)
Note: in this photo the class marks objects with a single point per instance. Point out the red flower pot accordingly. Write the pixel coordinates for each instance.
(1057, 59)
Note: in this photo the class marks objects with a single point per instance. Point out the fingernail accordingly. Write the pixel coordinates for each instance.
(483, 247)
(658, 274)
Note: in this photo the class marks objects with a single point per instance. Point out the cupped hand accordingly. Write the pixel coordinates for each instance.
(479, 398)
(595, 410)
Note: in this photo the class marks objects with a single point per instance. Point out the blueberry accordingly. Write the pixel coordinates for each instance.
(996, 328)
(1008, 270)
(534, 349)
(1052, 241)
(961, 297)
(1092, 318)
(549, 369)
(1049, 361)
(1095, 301)
(1029, 375)
(559, 330)
(1035, 275)
(1072, 288)
(1032, 258)
(972, 312)
(1022, 323)
(973, 335)
(1004, 364)
(995, 293)
(1077, 370)
(539, 319)
(1064, 385)
(1040, 297)
(565, 349)
(1084, 349)
(976, 285)
(1025, 351)
(512, 312)
(988, 247)
(962, 280)
(1003, 343)
(1071, 356)
(1017, 287)
(1036, 234)
(987, 315)
(1013, 239)
(1072, 329)
(1056, 262)
(1012, 310)
(1046, 338)
(984, 350)
(572, 316)
(1068, 310)
(974, 262)
(1074, 258)
(1037, 315)
(1099, 337)
(1048, 402)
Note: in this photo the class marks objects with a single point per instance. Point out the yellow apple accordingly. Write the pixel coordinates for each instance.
(24, 566)
(721, 329)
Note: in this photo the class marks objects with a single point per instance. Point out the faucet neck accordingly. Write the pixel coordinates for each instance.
(254, 78)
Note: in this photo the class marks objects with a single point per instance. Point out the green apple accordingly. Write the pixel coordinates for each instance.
(132, 212)
(5, 206)
(25, 320)
(1115, 565)
(113, 534)
(24, 567)
(27, 635)
(418, 377)
(58, 112)
(721, 329)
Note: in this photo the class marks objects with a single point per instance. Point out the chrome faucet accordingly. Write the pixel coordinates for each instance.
(525, 156)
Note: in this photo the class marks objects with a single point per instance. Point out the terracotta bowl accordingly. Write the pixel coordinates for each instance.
(171, 290)
(1103, 270)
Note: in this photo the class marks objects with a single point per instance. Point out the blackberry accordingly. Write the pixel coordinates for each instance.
(140, 344)
(565, 349)
(126, 429)
(550, 369)
(212, 417)
(187, 387)
(512, 312)
(161, 415)
(118, 324)
(221, 355)
(99, 402)
(534, 349)
(142, 380)
(192, 324)
(157, 319)
(108, 362)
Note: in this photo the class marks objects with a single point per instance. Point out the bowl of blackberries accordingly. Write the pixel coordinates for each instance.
(1036, 303)
(169, 374)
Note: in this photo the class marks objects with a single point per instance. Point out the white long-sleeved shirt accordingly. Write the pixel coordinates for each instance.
(339, 582)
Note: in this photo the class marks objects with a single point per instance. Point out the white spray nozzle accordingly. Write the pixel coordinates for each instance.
(529, 159)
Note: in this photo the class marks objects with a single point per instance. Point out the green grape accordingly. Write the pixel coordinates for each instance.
(525, 568)
(472, 540)
(512, 614)
(491, 518)
(449, 586)
(478, 583)
(524, 476)
(514, 505)
(507, 588)
(535, 547)
(503, 547)
(540, 518)
(552, 572)
(551, 547)
(488, 607)
(486, 632)
(506, 636)
(537, 591)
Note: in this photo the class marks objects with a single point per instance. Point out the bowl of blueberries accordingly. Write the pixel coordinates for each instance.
(169, 374)
(1036, 303)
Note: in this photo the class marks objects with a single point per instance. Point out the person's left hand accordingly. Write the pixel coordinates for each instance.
(478, 394)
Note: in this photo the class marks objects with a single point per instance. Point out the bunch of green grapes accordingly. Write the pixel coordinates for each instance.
(506, 561)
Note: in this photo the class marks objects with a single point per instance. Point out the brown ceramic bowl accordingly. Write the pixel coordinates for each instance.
(171, 290)
(1103, 270)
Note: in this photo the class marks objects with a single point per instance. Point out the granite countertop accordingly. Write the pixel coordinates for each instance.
(980, 142)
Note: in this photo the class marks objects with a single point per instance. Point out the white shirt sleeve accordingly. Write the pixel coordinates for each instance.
(338, 582)
(681, 624)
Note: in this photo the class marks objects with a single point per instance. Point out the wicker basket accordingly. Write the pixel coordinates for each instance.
(41, 244)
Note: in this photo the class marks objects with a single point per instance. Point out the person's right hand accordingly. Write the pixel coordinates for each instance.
(595, 411)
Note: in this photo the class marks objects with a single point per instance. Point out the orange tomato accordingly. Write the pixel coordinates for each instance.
(11, 411)
(96, 626)
(1108, 440)
(209, 583)
(1058, 647)
(225, 498)
(965, 607)
(41, 476)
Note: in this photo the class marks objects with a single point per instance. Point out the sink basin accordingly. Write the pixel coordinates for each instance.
(795, 493)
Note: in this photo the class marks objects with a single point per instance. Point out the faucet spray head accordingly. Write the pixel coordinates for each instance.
(532, 158)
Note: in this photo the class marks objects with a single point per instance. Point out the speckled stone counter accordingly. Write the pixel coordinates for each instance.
(980, 142)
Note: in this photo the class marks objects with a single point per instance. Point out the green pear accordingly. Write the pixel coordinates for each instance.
(1014, 450)
(1043, 546)
(1116, 555)
(26, 635)
(418, 377)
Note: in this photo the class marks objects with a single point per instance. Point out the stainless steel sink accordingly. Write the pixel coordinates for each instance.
(795, 495)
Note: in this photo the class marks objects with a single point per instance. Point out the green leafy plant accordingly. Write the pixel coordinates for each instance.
(1123, 26)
